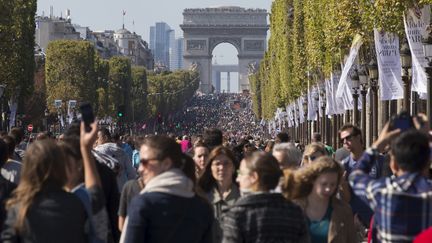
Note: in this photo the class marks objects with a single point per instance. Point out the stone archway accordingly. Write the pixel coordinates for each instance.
(204, 29)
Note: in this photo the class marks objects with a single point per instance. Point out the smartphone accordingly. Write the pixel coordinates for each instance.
(87, 115)
(402, 121)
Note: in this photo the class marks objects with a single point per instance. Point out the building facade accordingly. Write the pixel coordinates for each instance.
(54, 28)
(133, 46)
(176, 55)
(161, 38)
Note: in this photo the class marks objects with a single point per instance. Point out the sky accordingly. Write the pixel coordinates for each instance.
(141, 14)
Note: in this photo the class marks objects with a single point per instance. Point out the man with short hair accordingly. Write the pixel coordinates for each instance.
(282, 137)
(351, 136)
(402, 203)
(18, 135)
(11, 170)
(212, 137)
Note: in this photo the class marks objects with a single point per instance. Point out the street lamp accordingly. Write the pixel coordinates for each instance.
(46, 113)
(363, 91)
(373, 77)
(355, 87)
(317, 122)
(427, 49)
(323, 111)
(405, 57)
(305, 123)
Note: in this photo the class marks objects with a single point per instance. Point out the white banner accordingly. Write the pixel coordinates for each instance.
(320, 100)
(330, 106)
(300, 102)
(311, 112)
(416, 21)
(339, 106)
(389, 65)
(295, 112)
(343, 92)
(13, 107)
(290, 116)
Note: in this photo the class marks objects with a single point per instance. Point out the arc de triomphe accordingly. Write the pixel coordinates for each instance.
(204, 29)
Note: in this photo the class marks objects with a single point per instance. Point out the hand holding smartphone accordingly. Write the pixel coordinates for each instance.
(402, 121)
(87, 115)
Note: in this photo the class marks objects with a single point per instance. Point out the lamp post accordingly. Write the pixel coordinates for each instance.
(363, 91)
(427, 49)
(355, 87)
(46, 113)
(317, 123)
(405, 57)
(305, 123)
(373, 78)
(323, 118)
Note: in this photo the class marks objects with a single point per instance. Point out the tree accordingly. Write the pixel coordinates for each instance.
(139, 93)
(119, 86)
(17, 30)
(70, 72)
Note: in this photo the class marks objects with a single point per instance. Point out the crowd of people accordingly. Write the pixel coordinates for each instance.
(231, 112)
(215, 184)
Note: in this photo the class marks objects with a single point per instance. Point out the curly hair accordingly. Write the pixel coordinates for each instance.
(299, 184)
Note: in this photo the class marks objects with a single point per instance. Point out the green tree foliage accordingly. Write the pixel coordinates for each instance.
(314, 36)
(168, 92)
(17, 30)
(70, 72)
(139, 93)
(119, 85)
(102, 72)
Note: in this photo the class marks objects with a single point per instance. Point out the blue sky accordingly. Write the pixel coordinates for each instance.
(107, 15)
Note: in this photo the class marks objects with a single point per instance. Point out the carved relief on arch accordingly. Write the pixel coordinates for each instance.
(214, 41)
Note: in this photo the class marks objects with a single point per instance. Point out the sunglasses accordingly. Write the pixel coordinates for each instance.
(348, 138)
(145, 162)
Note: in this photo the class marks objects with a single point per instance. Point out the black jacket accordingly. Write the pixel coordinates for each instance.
(54, 216)
(264, 217)
(162, 218)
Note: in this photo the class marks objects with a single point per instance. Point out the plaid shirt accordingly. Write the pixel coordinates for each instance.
(402, 205)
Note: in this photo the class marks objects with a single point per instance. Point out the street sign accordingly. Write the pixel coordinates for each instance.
(57, 103)
(30, 128)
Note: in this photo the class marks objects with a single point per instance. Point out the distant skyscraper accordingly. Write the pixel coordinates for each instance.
(176, 55)
(161, 36)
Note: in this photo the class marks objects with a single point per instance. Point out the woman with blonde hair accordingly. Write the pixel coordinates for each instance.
(314, 188)
(312, 152)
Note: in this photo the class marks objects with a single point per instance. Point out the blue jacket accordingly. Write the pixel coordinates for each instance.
(160, 217)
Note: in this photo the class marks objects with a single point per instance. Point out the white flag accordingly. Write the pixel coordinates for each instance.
(343, 92)
(339, 106)
(389, 65)
(295, 112)
(311, 106)
(329, 97)
(416, 21)
(300, 102)
(289, 116)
